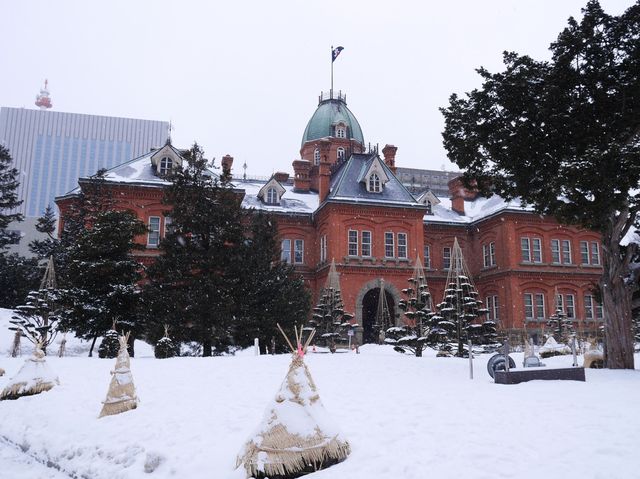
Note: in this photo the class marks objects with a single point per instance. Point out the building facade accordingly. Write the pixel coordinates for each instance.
(346, 205)
(51, 150)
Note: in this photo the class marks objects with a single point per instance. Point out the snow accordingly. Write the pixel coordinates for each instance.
(405, 417)
(473, 210)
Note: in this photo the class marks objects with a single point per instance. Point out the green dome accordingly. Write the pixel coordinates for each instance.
(332, 109)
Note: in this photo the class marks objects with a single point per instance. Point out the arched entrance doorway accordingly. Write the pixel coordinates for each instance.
(369, 309)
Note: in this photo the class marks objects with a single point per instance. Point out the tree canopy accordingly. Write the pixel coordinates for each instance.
(563, 135)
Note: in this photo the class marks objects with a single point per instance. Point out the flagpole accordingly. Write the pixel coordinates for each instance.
(331, 91)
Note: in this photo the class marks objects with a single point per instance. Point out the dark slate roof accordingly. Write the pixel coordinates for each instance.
(346, 184)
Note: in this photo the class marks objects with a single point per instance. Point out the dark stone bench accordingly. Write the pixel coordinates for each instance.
(520, 376)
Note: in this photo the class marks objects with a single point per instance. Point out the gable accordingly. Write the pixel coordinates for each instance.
(264, 193)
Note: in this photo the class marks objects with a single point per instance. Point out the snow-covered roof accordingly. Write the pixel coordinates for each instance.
(475, 210)
(290, 202)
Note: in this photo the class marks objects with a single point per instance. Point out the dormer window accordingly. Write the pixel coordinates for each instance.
(166, 164)
(374, 183)
(340, 154)
(341, 131)
(316, 157)
(272, 196)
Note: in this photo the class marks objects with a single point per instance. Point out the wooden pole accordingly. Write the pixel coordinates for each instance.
(470, 361)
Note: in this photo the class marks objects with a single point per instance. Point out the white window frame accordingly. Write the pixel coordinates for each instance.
(555, 251)
(366, 244)
(285, 251)
(374, 183)
(427, 256)
(536, 250)
(584, 253)
(323, 248)
(298, 251)
(525, 248)
(534, 307)
(446, 257)
(340, 153)
(403, 245)
(589, 311)
(153, 235)
(570, 306)
(352, 243)
(341, 131)
(165, 165)
(272, 196)
(566, 251)
(493, 306)
(167, 224)
(389, 246)
(595, 253)
(489, 254)
(316, 156)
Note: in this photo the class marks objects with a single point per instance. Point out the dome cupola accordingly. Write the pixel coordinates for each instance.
(332, 119)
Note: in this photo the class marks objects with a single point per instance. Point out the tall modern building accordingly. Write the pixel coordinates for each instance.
(51, 150)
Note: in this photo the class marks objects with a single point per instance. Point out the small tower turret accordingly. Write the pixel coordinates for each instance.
(43, 100)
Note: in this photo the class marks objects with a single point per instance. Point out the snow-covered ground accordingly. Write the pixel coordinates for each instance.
(405, 417)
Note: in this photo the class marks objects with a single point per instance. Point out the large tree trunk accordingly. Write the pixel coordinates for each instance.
(206, 347)
(93, 343)
(616, 297)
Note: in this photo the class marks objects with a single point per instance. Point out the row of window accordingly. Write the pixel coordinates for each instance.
(292, 250)
(359, 243)
(534, 306)
(340, 154)
(531, 249)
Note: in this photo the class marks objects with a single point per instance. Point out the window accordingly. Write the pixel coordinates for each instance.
(489, 254)
(366, 243)
(566, 303)
(341, 132)
(298, 251)
(340, 154)
(446, 257)
(531, 250)
(323, 248)
(590, 253)
(165, 165)
(168, 225)
(285, 251)
(374, 183)
(388, 245)
(592, 309)
(555, 251)
(534, 306)
(316, 157)
(353, 243)
(566, 251)
(493, 307)
(427, 256)
(153, 238)
(402, 245)
(272, 196)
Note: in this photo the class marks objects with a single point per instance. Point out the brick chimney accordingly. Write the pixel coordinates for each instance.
(301, 180)
(227, 163)
(459, 194)
(324, 170)
(389, 152)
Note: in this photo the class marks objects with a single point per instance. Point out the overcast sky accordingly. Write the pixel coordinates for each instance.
(243, 77)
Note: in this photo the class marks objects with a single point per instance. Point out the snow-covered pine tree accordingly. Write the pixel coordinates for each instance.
(329, 318)
(36, 319)
(193, 284)
(165, 348)
(98, 274)
(460, 308)
(46, 224)
(561, 325)
(417, 332)
(110, 344)
(8, 199)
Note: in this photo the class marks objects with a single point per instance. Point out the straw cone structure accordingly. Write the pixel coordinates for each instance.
(296, 435)
(34, 377)
(121, 396)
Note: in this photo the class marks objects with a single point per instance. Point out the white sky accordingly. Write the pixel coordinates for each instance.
(243, 77)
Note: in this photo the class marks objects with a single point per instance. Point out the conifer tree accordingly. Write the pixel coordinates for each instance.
(98, 274)
(8, 200)
(562, 135)
(460, 308)
(192, 284)
(46, 224)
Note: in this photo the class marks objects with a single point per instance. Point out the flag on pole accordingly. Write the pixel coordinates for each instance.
(335, 52)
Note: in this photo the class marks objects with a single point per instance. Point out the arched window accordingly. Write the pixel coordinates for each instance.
(341, 132)
(316, 157)
(166, 164)
(340, 153)
(272, 196)
(374, 183)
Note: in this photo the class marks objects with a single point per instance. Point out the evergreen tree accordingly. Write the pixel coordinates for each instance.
(165, 348)
(460, 308)
(98, 274)
(192, 284)
(418, 330)
(110, 344)
(36, 319)
(46, 224)
(8, 200)
(563, 136)
(18, 276)
(329, 319)
(269, 291)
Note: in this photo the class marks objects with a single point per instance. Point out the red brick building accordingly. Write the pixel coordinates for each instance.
(344, 203)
